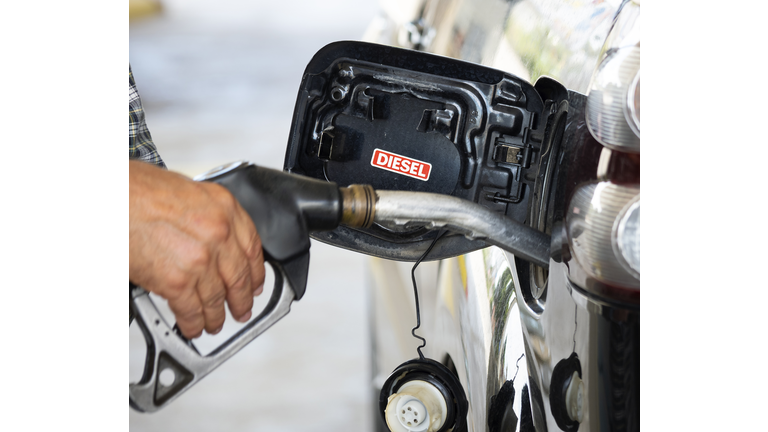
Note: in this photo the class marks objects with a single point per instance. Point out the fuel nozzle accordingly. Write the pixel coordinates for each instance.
(280, 202)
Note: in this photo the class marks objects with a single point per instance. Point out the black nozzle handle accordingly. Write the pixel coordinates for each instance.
(285, 208)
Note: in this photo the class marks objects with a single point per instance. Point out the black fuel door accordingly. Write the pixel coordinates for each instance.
(405, 120)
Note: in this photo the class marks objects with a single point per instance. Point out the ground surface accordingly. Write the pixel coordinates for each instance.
(219, 82)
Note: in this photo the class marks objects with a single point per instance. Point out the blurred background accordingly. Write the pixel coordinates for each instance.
(218, 81)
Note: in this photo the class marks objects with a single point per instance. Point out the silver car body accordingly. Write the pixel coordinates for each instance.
(474, 316)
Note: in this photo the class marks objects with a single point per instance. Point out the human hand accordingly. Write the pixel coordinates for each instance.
(194, 245)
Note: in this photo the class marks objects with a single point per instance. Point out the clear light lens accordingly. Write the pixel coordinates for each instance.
(604, 232)
(608, 117)
(613, 101)
(627, 237)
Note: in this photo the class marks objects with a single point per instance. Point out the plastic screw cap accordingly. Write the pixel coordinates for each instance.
(412, 414)
(418, 406)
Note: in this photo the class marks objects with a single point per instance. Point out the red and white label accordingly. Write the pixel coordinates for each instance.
(401, 164)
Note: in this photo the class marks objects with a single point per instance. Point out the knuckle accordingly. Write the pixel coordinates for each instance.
(241, 306)
(215, 300)
(176, 282)
(186, 314)
(198, 256)
(217, 226)
(223, 196)
(240, 279)
(215, 219)
(220, 228)
(194, 314)
(190, 311)
(228, 199)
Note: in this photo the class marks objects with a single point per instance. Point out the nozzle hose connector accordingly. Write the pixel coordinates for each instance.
(358, 206)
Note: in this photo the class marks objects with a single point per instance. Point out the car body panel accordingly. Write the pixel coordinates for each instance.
(478, 309)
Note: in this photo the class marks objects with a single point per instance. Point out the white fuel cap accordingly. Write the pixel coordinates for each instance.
(418, 406)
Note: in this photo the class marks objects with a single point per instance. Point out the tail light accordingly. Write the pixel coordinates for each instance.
(613, 103)
(603, 219)
(604, 231)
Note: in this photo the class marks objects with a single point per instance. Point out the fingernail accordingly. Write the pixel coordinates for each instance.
(217, 330)
(258, 290)
(245, 317)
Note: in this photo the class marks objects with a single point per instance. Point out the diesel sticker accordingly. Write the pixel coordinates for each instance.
(401, 164)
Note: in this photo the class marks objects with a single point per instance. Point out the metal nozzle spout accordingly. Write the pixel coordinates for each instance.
(358, 203)
(362, 206)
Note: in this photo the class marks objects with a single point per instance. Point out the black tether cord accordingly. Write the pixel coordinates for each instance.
(416, 293)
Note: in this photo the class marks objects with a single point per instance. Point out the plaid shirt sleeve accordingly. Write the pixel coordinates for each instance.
(140, 142)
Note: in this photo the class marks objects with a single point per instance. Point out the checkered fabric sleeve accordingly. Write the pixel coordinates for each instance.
(140, 142)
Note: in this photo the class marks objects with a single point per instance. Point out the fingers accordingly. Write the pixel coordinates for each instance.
(249, 241)
(236, 257)
(212, 293)
(235, 270)
(188, 311)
